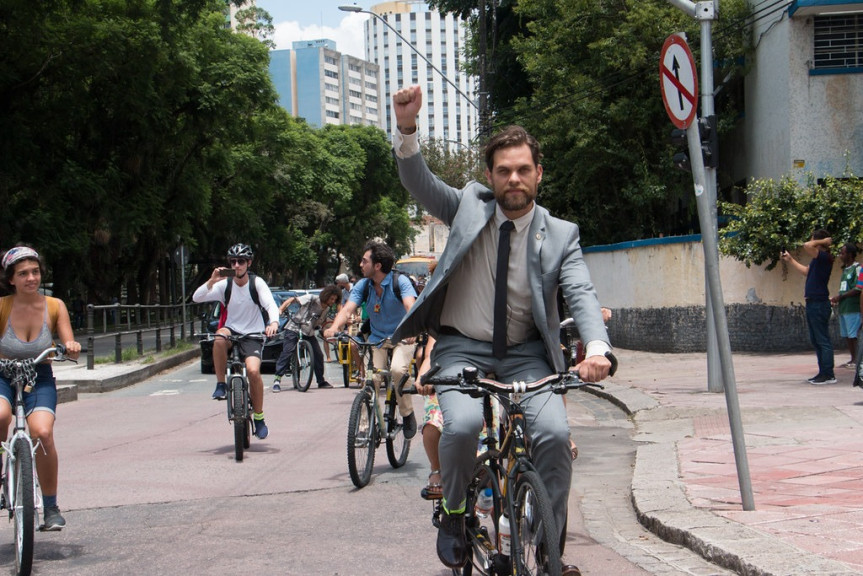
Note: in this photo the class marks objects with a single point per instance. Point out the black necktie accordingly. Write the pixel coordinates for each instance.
(498, 343)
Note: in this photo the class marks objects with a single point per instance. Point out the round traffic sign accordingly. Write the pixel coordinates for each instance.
(678, 81)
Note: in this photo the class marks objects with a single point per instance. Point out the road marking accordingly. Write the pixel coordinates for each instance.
(166, 393)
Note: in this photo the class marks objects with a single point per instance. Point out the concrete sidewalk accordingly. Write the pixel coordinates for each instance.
(804, 446)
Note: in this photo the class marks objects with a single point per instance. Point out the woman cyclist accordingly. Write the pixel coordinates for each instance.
(27, 321)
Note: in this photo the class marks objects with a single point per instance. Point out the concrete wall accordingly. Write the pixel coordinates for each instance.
(656, 289)
(796, 121)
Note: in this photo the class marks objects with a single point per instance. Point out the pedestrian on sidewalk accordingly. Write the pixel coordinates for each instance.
(817, 296)
(848, 300)
(858, 371)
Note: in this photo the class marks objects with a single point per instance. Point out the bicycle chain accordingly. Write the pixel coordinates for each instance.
(19, 369)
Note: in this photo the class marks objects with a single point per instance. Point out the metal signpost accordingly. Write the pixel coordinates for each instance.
(679, 94)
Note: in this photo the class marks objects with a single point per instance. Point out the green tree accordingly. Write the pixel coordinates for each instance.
(456, 166)
(121, 120)
(583, 77)
(783, 214)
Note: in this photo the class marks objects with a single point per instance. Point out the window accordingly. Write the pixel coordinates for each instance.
(838, 43)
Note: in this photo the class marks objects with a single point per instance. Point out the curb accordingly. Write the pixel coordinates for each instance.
(134, 376)
(661, 505)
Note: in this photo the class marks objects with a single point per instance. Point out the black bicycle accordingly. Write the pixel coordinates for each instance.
(368, 425)
(239, 402)
(518, 534)
(20, 494)
(302, 363)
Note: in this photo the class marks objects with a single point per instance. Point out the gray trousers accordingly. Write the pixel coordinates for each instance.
(545, 417)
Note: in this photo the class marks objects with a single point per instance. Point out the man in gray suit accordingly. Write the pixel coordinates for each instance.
(498, 312)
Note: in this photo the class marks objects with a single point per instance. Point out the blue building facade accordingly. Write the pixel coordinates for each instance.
(316, 82)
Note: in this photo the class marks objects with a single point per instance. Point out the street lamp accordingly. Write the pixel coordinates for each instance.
(355, 8)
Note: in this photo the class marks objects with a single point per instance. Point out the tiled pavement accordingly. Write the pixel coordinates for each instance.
(804, 448)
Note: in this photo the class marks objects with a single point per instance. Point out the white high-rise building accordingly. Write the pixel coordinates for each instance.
(446, 114)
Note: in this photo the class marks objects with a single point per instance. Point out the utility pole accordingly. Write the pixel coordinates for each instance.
(483, 69)
(705, 194)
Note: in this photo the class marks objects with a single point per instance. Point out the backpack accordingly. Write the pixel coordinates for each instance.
(397, 290)
(6, 309)
(253, 290)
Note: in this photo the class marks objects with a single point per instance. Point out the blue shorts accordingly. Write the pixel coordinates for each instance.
(43, 396)
(849, 325)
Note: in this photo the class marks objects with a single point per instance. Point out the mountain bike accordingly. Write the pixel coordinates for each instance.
(239, 403)
(369, 424)
(519, 497)
(21, 494)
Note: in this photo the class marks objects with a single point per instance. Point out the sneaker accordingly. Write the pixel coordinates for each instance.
(221, 391)
(53, 521)
(822, 380)
(261, 430)
(277, 384)
(409, 426)
(325, 384)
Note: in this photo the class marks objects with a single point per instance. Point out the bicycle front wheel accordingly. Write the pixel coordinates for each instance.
(239, 403)
(361, 439)
(22, 505)
(303, 359)
(534, 532)
(398, 447)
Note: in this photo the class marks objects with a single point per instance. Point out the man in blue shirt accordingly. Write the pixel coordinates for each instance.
(817, 296)
(386, 305)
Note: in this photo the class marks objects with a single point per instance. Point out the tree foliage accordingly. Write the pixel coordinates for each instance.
(783, 214)
(583, 76)
(128, 126)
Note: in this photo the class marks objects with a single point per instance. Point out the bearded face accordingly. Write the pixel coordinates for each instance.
(514, 179)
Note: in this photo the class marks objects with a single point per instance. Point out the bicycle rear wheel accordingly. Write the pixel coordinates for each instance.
(362, 433)
(537, 551)
(239, 416)
(303, 359)
(398, 447)
(21, 504)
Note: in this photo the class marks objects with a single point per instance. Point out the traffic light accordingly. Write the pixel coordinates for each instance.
(709, 145)
(709, 141)
(681, 157)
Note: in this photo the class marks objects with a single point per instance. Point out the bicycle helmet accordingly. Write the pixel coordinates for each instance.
(241, 251)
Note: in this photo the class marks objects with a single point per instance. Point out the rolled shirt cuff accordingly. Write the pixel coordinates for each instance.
(596, 348)
(406, 145)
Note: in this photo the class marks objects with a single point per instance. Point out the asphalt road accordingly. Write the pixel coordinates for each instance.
(148, 485)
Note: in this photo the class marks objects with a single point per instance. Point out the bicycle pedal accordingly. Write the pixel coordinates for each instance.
(431, 496)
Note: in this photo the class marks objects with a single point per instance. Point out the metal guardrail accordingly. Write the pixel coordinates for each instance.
(129, 320)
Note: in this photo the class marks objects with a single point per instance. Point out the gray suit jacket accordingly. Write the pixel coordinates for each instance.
(554, 260)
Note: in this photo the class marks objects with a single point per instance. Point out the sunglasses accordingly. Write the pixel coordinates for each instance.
(238, 261)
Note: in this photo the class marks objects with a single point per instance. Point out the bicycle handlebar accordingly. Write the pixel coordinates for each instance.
(237, 337)
(386, 342)
(469, 382)
(59, 351)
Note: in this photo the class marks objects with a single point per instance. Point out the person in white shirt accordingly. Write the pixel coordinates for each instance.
(243, 317)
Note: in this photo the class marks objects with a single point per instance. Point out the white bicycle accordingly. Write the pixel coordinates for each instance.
(20, 494)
